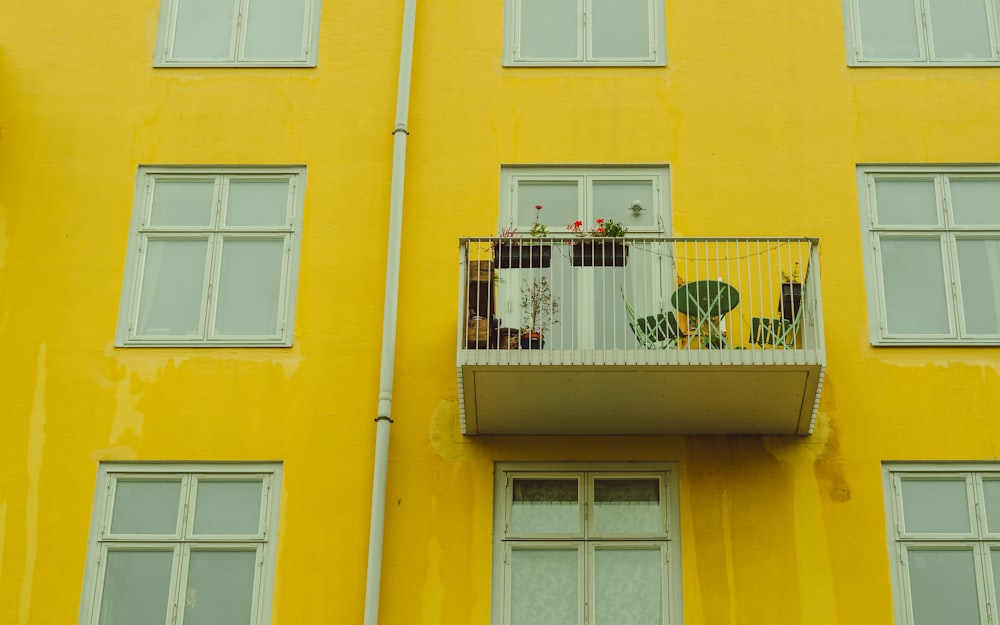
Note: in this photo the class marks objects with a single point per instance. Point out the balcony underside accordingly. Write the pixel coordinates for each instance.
(618, 392)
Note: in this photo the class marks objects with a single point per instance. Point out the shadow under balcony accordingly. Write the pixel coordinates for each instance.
(570, 336)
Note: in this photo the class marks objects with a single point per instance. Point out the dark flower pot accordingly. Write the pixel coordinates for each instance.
(516, 254)
(532, 340)
(599, 254)
(791, 300)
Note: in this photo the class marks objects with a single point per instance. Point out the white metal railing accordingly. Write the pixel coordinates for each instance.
(741, 299)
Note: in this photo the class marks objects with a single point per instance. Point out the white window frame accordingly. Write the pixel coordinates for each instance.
(166, 31)
(102, 540)
(585, 175)
(946, 232)
(508, 296)
(978, 541)
(852, 24)
(139, 231)
(585, 542)
(657, 34)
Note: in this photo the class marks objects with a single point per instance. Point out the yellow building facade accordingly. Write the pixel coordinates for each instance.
(767, 120)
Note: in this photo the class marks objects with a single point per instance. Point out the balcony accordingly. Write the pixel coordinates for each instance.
(570, 336)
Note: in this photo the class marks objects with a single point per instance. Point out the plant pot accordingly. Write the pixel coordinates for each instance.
(599, 254)
(521, 253)
(532, 340)
(791, 300)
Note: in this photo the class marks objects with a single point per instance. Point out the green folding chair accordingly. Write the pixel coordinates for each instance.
(660, 331)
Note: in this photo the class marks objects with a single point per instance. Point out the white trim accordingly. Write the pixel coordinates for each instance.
(101, 541)
(978, 541)
(852, 27)
(141, 231)
(584, 58)
(166, 32)
(668, 542)
(944, 230)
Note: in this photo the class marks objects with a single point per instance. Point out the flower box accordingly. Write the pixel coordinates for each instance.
(791, 301)
(517, 254)
(599, 254)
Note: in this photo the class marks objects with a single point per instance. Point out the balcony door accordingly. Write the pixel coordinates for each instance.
(585, 301)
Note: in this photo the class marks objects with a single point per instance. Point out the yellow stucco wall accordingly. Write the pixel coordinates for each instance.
(761, 123)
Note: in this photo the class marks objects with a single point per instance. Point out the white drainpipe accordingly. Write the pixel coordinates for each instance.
(383, 419)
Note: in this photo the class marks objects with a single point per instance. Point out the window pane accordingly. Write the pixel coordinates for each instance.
(906, 202)
(182, 203)
(935, 506)
(249, 287)
(975, 202)
(560, 202)
(257, 203)
(888, 29)
(979, 275)
(613, 200)
(136, 588)
(961, 29)
(220, 588)
(275, 29)
(548, 29)
(544, 586)
(146, 507)
(227, 507)
(991, 492)
(173, 281)
(545, 506)
(628, 586)
(627, 506)
(943, 587)
(913, 280)
(204, 29)
(995, 563)
(620, 29)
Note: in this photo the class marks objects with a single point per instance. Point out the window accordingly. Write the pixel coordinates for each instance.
(924, 32)
(182, 544)
(586, 194)
(944, 537)
(590, 297)
(212, 257)
(934, 259)
(584, 32)
(217, 33)
(595, 545)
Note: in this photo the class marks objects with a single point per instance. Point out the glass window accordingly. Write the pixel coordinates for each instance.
(238, 32)
(584, 32)
(617, 567)
(212, 258)
(182, 544)
(924, 32)
(935, 256)
(943, 525)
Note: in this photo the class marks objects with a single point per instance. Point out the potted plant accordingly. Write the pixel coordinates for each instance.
(607, 247)
(538, 309)
(791, 295)
(512, 252)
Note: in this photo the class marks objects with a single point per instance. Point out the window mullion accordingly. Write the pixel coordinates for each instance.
(239, 30)
(924, 39)
(213, 270)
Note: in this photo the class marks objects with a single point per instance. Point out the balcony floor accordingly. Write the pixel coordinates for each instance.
(526, 392)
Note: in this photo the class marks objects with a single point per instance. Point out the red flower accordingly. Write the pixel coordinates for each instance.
(600, 221)
(538, 207)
